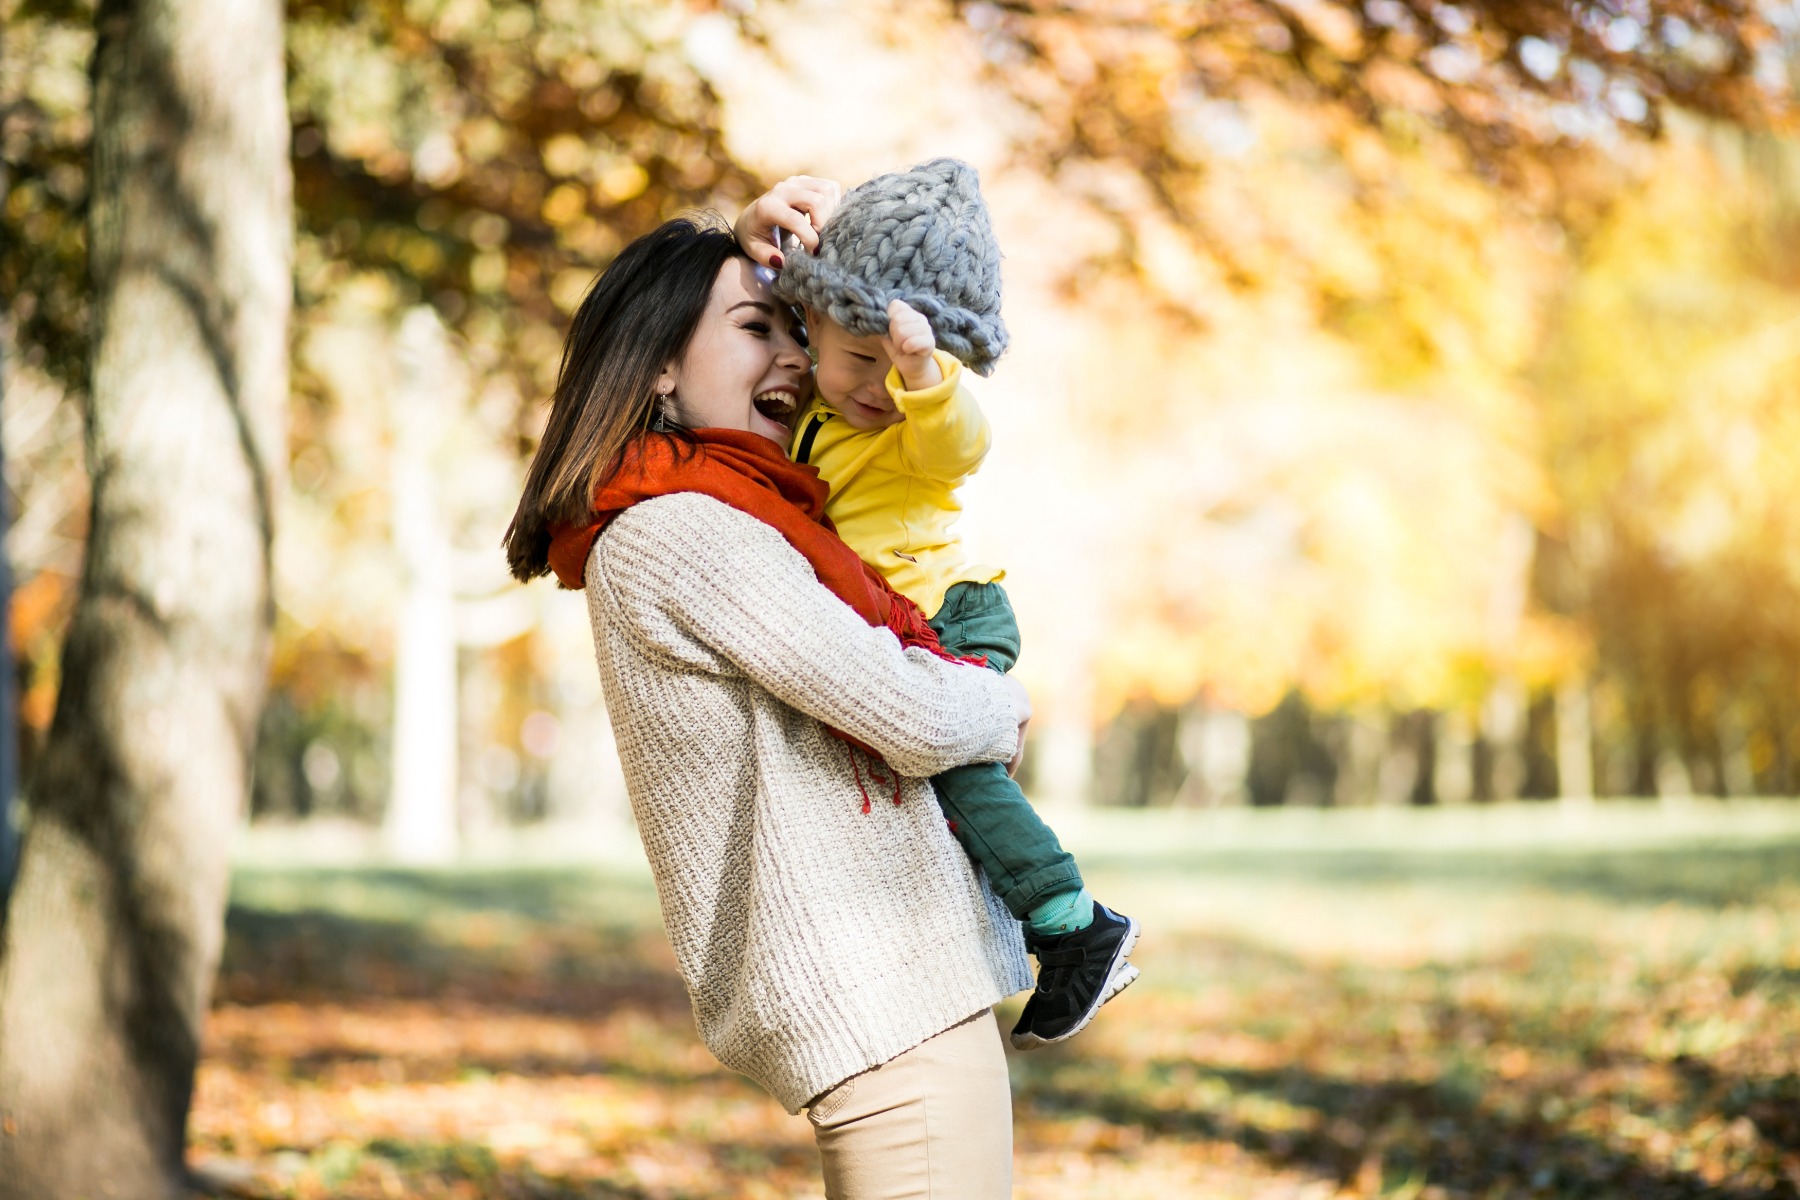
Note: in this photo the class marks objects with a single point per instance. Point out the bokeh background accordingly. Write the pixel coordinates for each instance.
(1402, 419)
(1411, 437)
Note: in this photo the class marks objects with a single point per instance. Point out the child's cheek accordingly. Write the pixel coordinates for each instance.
(833, 382)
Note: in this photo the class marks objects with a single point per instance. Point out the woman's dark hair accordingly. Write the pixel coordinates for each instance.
(638, 316)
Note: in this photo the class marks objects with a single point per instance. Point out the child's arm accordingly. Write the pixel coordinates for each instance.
(945, 435)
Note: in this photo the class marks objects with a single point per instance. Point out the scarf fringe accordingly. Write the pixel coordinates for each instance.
(850, 749)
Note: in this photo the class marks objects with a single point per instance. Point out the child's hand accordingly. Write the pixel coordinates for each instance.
(1021, 701)
(909, 342)
(800, 204)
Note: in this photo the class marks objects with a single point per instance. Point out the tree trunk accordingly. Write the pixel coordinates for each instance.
(1778, 779)
(1537, 750)
(1454, 778)
(1424, 731)
(421, 825)
(9, 712)
(1645, 753)
(114, 932)
(1574, 741)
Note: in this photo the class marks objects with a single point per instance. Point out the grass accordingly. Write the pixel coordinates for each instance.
(1530, 1001)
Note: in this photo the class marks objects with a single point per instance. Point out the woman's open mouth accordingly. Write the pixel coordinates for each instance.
(777, 404)
(772, 414)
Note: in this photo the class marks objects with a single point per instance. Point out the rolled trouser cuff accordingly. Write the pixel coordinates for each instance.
(1052, 879)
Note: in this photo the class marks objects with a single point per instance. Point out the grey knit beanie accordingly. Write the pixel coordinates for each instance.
(922, 236)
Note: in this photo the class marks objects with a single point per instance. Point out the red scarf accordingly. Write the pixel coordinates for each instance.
(751, 474)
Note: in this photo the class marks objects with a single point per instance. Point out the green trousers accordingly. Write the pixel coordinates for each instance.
(987, 812)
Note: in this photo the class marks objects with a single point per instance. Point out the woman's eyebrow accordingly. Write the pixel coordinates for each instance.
(750, 304)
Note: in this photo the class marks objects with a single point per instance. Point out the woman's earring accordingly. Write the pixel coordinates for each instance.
(660, 423)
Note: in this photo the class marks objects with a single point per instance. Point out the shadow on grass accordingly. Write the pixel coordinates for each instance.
(321, 1066)
(1539, 1008)
(1419, 1134)
(1770, 1103)
(570, 946)
(1430, 1112)
(313, 956)
(1703, 876)
(352, 1172)
(372, 1169)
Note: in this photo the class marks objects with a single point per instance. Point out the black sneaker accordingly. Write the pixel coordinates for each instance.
(1077, 973)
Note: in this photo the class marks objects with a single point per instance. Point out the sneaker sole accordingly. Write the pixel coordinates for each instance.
(1120, 977)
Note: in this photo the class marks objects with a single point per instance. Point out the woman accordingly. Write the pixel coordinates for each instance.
(778, 725)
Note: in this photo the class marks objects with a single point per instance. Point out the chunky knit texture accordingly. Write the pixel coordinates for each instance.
(816, 941)
(921, 235)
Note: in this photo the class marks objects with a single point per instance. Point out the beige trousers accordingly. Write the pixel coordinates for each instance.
(934, 1123)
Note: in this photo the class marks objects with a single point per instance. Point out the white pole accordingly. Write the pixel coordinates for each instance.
(421, 825)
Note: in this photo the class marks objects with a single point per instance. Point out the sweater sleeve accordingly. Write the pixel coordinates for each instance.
(945, 435)
(690, 566)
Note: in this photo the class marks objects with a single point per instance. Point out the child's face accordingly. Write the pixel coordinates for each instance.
(852, 373)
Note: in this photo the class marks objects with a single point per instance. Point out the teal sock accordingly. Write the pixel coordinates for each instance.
(1061, 914)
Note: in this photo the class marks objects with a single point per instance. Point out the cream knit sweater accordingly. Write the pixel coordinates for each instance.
(816, 941)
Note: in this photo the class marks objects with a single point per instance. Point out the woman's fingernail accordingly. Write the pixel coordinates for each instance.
(775, 261)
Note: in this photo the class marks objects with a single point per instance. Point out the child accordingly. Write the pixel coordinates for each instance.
(902, 299)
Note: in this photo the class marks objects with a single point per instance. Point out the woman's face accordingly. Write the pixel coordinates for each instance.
(744, 368)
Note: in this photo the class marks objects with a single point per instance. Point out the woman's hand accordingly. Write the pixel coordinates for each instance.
(1021, 700)
(800, 204)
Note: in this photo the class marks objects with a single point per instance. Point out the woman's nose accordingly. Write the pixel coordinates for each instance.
(793, 355)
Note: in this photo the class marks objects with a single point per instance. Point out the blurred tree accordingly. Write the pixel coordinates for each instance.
(474, 166)
(1406, 177)
(486, 158)
(421, 813)
(45, 120)
(482, 159)
(489, 159)
(1377, 97)
(1670, 388)
(114, 931)
(1150, 82)
(1383, 187)
(9, 722)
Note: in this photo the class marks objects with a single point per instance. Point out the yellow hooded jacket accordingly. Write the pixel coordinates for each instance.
(893, 490)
